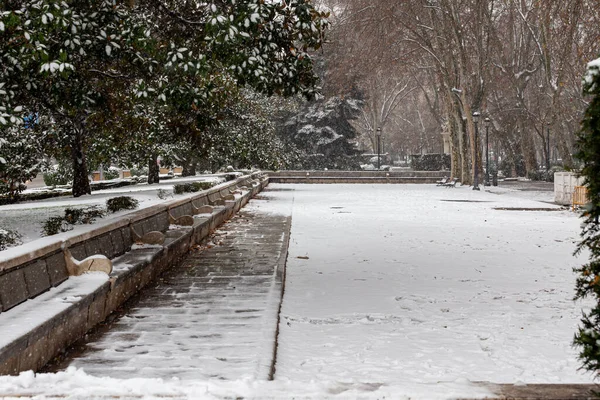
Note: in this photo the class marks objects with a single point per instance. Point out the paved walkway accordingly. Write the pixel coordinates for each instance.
(213, 316)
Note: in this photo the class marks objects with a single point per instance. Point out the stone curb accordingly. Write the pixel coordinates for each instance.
(541, 391)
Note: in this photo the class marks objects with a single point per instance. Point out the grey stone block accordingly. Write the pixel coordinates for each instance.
(36, 278)
(106, 246)
(79, 250)
(139, 228)
(126, 235)
(57, 269)
(163, 221)
(13, 289)
(118, 244)
(92, 247)
(150, 224)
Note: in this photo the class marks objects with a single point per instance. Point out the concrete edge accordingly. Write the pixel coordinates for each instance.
(281, 275)
(540, 391)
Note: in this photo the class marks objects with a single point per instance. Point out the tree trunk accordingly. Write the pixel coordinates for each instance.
(528, 147)
(189, 168)
(564, 149)
(153, 170)
(81, 181)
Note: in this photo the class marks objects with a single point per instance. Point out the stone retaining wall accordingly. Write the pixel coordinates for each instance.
(356, 176)
(32, 274)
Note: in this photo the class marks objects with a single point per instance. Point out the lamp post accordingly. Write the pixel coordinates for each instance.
(378, 148)
(475, 169)
(486, 122)
(548, 151)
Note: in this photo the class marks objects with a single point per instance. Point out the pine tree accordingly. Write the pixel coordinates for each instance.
(587, 337)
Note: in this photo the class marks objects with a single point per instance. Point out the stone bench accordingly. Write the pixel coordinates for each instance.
(41, 276)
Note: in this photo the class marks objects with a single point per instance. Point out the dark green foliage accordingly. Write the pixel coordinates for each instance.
(9, 238)
(587, 337)
(121, 203)
(541, 175)
(430, 162)
(62, 175)
(163, 194)
(54, 225)
(111, 174)
(322, 136)
(72, 216)
(191, 187)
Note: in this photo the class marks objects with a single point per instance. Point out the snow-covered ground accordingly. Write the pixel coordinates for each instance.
(421, 284)
(27, 218)
(400, 291)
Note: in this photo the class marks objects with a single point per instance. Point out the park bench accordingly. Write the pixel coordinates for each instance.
(442, 181)
(451, 183)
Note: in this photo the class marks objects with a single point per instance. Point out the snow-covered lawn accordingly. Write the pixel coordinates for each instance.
(420, 284)
(27, 218)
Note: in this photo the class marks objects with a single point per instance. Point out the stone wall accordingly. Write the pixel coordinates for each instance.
(51, 310)
(356, 176)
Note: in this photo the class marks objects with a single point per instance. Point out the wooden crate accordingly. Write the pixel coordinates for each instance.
(580, 197)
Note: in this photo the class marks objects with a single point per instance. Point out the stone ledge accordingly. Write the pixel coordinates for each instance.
(70, 311)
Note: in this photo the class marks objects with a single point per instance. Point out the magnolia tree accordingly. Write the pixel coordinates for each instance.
(67, 61)
(91, 66)
(588, 282)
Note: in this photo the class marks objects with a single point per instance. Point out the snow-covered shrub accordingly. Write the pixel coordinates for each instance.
(121, 203)
(21, 159)
(58, 175)
(192, 187)
(163, 194)
(9, 238)
(137, 171)
(587, 337)
(111, 173)
(323, 135)
(72, 216)
(430, 162)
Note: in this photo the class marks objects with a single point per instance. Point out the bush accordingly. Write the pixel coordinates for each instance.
(163, 194)
(430, 162)
(9, 238)
(541, 175)
(54, 225)
(192, 187)
(73, 216)
(58, 176)
(111, 173)
(136, 171)
(121, 203)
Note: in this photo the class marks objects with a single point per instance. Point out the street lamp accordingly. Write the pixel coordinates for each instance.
(548, 151)
(486, 122)
(378, 148)
(476, 170)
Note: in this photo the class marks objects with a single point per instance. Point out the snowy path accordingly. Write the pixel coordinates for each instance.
(421, 284)
(213, 316)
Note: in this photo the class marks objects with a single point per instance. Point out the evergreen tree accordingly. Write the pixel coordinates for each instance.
(324, 134)
(587, 337)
